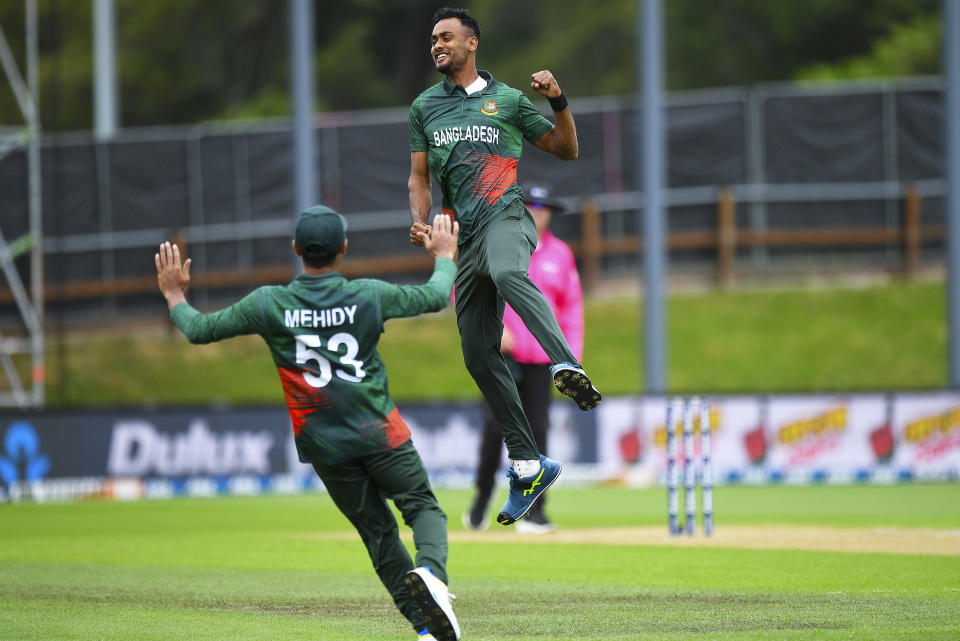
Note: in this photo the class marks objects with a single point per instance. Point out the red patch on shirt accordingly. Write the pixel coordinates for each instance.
(397, 431)
(497, 175)
(303, 399)
(449, 212)
(392, 429)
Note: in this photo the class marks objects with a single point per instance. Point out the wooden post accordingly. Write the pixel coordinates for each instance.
(726, 236)
(592, 241)
(911, 232)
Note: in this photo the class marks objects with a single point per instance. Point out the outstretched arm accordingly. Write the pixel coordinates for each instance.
(420, 198)
(561, 139)
(240, 318)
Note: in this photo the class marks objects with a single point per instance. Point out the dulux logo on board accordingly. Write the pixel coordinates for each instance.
(138, 448)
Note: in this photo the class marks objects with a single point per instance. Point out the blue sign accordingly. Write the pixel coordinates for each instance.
(22, 446)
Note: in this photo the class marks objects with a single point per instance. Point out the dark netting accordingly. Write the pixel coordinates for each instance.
(74, 266)
(707, 145)
(272, 251)
(147, 186)
(566, 227)
(933, 211)
(632, 164)
(377, 243)
(14, 209)
(134, 262)
(70, 194)
(827, 215)
(919, 135)
(374, 167)
(268, 173)
(219, 169)
(221, 255)
(692, 218)
(568, 178)
(828, 138)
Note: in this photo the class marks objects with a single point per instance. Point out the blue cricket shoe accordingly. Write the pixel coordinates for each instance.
(572, 381)
(524, 491)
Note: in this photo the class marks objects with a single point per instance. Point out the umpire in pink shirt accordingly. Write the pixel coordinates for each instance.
(553, 270)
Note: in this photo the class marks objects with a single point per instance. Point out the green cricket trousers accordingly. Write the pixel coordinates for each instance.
(360, 487)
(492, 270)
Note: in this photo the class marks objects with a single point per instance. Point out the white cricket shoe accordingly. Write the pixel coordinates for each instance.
(434, 599)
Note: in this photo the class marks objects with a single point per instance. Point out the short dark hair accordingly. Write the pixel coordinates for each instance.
(462, 15)
(318, 262)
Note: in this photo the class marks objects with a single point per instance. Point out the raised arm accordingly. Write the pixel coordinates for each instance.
(420, 198)
(561, 139)
(174, 278)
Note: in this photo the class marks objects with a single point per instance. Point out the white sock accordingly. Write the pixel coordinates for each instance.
(527, 467)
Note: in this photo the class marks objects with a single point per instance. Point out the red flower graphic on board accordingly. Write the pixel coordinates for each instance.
(881, 440)
(631, 447)
(755, 441)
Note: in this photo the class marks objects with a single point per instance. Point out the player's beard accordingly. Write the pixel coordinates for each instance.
(451, 65)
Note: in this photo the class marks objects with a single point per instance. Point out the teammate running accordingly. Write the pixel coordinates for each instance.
(468, 132)
(322, 331)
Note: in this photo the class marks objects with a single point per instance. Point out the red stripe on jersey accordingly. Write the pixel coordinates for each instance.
(397, 430)
(449, 212)
(392, 430)
(303, 398)
(497, 174)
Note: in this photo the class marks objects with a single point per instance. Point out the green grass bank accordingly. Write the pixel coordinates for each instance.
(891, 336)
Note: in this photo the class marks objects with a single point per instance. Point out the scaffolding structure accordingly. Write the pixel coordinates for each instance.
(25, 391)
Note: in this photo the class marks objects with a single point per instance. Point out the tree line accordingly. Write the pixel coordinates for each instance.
(185, 61)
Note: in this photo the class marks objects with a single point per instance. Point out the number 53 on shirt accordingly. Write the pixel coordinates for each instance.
(307, 346)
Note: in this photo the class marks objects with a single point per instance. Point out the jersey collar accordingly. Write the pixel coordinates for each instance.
(451, 88)
(313, 278)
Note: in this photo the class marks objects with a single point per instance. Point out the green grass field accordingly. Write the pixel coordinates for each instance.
(891, 336)
(272, 568)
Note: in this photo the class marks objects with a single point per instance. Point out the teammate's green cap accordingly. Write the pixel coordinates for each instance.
(320, 232)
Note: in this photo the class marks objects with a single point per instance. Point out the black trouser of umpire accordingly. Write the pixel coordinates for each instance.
(535, 386)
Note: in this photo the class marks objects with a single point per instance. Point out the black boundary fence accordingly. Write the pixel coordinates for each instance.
(762, 180)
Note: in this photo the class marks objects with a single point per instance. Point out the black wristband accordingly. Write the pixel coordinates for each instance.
(559, 103)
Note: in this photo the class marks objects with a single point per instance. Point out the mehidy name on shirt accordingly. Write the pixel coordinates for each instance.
(330, 317)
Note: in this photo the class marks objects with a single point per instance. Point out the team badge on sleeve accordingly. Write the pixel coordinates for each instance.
(490, 107)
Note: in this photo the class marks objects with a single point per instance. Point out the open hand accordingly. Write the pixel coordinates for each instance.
(172, 277)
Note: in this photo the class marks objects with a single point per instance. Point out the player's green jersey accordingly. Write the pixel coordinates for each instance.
(473, 145)
(322, 332)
